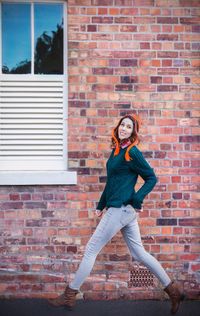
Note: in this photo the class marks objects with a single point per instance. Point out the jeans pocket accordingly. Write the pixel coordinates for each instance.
(127, 215)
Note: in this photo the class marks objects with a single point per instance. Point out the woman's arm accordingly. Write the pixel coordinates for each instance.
(102, 202)
(141, 167)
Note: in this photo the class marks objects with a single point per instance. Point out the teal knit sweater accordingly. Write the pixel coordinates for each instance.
(121, 179)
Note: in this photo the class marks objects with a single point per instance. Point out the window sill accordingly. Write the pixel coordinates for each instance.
(38, 177)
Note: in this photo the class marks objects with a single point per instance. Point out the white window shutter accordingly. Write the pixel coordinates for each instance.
(32, 124)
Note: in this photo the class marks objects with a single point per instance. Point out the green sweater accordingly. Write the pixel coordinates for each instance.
(121, 179)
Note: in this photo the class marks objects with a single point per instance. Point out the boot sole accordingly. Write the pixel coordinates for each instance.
(183, 296)
(61, 306)
(69, 308)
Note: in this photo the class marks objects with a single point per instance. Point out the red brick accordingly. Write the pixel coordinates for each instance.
(167, 88)
(167, 20)
(156, 79)
(166, 221)
(36, 222)
(101, 87)
(166, 122)
(167, 257)
(37, 197)
(28, 232)
(129, 11)
(156, 63)
(128, 62)
(102, 2)
(91, 28)
(144, 20)
(104, 20)
(114, 11)
(14, 196)
(145, 45)
(177, 230)
(35, 205)
(167, 37)
(128, 28)
(192, 20)
(189, 222)
(25, 196)
(125, 20)
(189, 257)
(168, 71)
(196, 28)
(11, 205)
(124, 87)
(167, 63)
(123, 3)
(101, 71)
(189, 139)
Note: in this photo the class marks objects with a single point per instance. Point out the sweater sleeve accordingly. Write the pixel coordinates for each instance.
(102, 202)
(141, 167)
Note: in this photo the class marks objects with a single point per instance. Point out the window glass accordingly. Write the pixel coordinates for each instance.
(48, 29)
(16, 34)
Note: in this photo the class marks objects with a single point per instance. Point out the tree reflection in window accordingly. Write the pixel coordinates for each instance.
(48, 38)
(48, 34)
(49, 53)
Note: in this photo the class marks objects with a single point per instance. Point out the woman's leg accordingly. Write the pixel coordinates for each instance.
(109, 225)
(131, 234)
(107, 228)
(132, 237)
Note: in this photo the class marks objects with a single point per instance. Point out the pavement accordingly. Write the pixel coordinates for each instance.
(40, 307)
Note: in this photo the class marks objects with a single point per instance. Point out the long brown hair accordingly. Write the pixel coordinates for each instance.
(134, 138)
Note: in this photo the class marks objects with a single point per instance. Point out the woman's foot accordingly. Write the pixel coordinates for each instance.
(67, 299)
(176, 296)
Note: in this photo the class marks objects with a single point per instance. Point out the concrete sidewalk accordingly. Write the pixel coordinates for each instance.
(40, 307)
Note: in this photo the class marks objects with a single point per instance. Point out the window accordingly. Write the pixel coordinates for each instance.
(33, 93)
(16, 37)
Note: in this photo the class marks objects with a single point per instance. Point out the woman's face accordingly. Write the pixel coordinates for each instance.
(125, 129)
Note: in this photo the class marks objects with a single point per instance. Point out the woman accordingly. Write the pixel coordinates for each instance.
(121, 201)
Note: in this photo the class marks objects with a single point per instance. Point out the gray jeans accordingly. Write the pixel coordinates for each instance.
(114, 220)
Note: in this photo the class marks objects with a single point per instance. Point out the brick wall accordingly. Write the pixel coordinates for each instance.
(125, 56)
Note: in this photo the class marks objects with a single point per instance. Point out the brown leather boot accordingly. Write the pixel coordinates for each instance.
(67, 299)
(175, 295)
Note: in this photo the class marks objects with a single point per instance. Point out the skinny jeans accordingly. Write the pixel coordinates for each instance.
(122, 219)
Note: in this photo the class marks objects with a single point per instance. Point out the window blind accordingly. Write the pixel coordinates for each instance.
(32, 125)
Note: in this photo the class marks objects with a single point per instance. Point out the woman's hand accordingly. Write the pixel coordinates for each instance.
(138, 210)
(99, 213)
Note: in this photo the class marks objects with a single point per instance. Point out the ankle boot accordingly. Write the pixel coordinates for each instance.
(175, 296)
(67, 299)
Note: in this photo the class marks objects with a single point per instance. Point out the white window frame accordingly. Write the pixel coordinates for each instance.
(37, 177)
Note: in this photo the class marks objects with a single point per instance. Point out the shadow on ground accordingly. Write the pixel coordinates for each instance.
(40, 307)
